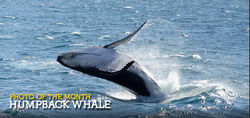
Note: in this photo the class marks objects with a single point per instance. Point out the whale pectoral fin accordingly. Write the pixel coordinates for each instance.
(124, 40)
(126, 67)
(117, 72)
(102, 74)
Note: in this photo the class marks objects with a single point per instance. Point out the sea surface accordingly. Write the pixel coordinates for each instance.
(197, 51)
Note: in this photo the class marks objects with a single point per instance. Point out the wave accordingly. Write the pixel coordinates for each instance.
(200, 90)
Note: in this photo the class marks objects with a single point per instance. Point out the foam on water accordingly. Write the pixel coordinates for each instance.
(49, 37)
(76, 33)
(76, 45)
(105, 37)
(196, 56)
(35, 64)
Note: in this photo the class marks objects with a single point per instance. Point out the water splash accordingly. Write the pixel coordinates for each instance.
(171, 84)
(122, 94)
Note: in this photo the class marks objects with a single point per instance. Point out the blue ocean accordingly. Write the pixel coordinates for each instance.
(197, 51)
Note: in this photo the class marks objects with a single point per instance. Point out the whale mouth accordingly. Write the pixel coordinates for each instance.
(59, 59)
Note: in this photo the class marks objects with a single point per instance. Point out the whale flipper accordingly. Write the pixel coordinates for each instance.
(100, 73)
(117, 72)
(124, 40)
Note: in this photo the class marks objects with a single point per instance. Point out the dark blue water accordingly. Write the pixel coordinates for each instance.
(197, 50)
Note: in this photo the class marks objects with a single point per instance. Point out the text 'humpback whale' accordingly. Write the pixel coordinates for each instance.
(107, 63)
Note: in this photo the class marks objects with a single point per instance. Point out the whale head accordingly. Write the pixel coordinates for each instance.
(98, 58)
(88, 57)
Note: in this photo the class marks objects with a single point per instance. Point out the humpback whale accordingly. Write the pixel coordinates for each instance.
(107, 63)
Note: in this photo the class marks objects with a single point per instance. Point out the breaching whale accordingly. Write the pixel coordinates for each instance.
(107, 63)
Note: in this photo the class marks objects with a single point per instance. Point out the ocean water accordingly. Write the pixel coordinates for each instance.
(197, 50)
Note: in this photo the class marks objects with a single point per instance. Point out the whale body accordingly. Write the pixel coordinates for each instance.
(107, 63)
